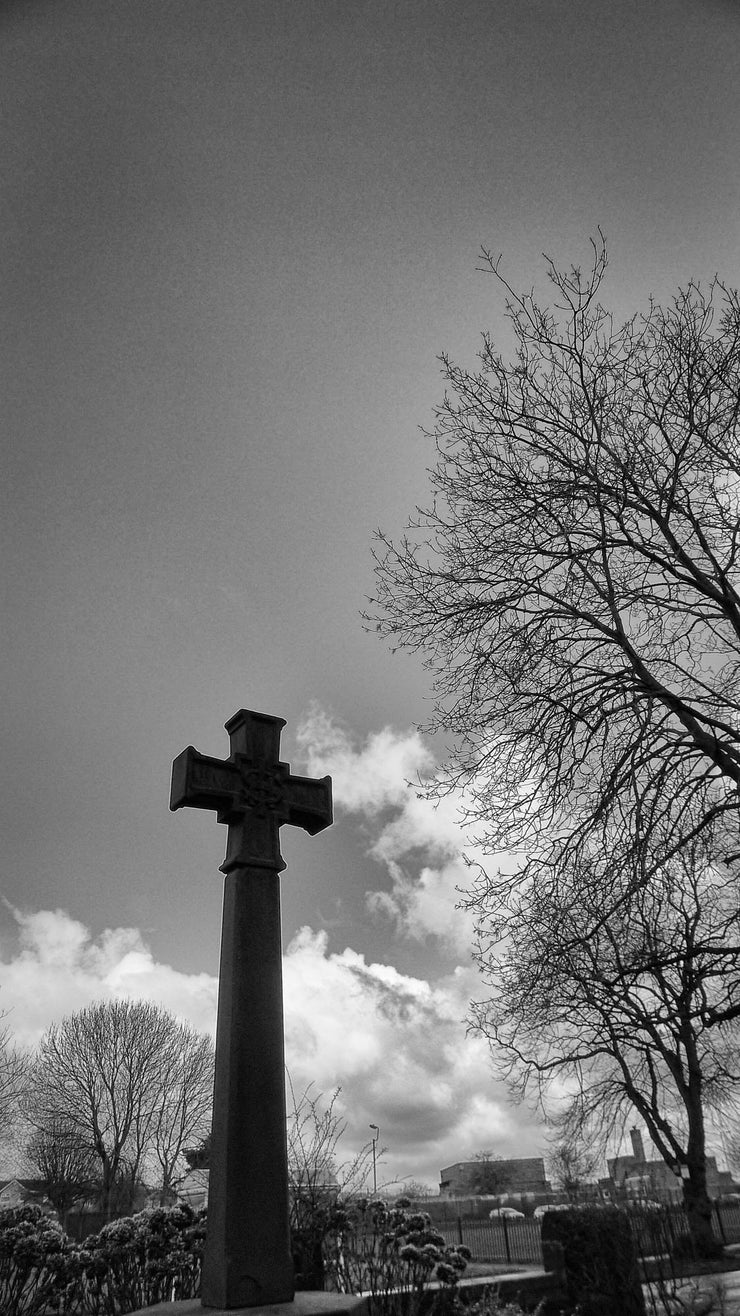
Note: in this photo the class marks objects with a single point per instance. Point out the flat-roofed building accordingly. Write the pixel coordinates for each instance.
(519, 1174)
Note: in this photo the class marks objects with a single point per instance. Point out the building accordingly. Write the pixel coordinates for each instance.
(523, 1174)
(636, 1176)
(22, 1192)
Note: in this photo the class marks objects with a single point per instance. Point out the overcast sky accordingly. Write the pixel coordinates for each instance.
(234, 238)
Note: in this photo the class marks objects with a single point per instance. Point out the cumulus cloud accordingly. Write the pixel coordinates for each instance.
(418, 840)
(395, 1044)
(423, 904)
(414, 1062)
(54, 966)
(398, 1047)
(370, 779)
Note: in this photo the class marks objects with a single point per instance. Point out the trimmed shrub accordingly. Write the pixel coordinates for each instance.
(599, 1260)
(140, 1260)
(135, 1262)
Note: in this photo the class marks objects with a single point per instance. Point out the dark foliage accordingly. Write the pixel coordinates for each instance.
(599, 1258)
(135, 1262)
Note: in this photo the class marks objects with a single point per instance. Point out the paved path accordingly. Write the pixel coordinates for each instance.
(728, 1283)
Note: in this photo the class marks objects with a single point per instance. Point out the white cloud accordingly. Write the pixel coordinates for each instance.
(395, 1044)
(417, 839)
(425, 905)
(57, 967)
(372, 778)
(401, 1043)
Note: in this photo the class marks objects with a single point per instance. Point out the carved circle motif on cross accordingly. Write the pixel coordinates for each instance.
(262, 787)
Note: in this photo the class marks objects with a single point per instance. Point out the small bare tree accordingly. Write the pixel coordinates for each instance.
(488, 1179)
(183, 1107)
(13, 1079)
(110, 1077)
(67, 1166)
(318, 1179)
(570, 1165)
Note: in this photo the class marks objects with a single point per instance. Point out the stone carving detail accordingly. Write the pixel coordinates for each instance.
(262, 788)
(205, 776)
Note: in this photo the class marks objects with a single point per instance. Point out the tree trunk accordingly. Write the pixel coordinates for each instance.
(699, 1215)
(106, 1188)
(697, 1201)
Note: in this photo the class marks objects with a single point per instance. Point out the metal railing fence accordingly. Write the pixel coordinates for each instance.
(510, 1240)
(504, 1240)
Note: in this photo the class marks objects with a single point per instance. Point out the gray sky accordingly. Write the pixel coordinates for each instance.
(235, 238)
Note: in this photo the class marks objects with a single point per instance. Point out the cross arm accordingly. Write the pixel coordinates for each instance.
(310, 803)
(200, 782)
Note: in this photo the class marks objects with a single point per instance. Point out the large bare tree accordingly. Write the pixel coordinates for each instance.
(574, 589)
(115, 1077)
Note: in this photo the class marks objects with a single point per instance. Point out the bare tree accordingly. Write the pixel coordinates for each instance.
(67, 1166)
(318, 1179)
(570, 1164)
(574, 583)
(417, 1190)
(183, 1107)
(314, 1130)
(102, 1075)
(13, 1077)
(488, 1178)
(636, 1016)
(574, 589)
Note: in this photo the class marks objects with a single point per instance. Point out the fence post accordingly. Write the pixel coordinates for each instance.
(506, 1237)
(720, 1222)
(459, 1230)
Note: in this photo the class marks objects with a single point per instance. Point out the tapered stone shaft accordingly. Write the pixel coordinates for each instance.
(247, 1260)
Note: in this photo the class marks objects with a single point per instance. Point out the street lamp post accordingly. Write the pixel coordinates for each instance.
(376, 1135)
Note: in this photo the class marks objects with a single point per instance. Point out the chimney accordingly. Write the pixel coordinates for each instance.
(638, 1151)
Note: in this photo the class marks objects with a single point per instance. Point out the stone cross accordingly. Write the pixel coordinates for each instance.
(247, 1260)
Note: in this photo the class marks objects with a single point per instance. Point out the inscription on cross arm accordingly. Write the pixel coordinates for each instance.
(251, 791)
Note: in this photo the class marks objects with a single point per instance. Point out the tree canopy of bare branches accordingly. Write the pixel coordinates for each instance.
(570, 1164)
(318, 1179)
(574, 583)
(13, 1074)
(126, 1083)
(635, 1017)
(487, 1179)
(183, 1104)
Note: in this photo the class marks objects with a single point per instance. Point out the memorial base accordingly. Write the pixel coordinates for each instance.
(303, 1304)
